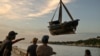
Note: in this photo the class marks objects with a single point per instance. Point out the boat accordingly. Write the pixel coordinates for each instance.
(57, 27)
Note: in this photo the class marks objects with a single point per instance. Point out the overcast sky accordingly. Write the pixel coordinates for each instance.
(30, 17)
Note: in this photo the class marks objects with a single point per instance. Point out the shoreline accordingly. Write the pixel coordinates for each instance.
(79, 45)
(92, 42)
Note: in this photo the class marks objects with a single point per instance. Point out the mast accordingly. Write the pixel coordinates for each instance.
(60, 12)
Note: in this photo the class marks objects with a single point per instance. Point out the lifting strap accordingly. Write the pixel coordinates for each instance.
(54, 13)
(60, 12)
(67, 11)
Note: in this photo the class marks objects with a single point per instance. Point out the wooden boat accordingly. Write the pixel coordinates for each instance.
(58, 27)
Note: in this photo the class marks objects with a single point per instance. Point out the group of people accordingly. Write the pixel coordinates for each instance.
(42, 50)
(32, 50)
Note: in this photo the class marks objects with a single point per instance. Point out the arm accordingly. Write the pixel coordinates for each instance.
(52, 52)
(5, 52)
(7, 49)
(17, 40)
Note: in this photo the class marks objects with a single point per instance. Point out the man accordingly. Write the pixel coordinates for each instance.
(31, 51)
(6, 46)
(87, 52)
(45, 50)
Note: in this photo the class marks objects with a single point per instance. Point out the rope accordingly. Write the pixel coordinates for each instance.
(54, 13)
(68, 12)
(60, 12)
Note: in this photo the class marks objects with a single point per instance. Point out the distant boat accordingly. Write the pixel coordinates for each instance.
(58, 27)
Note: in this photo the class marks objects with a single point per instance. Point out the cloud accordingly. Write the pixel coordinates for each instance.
(4, 0)
(51, 4)
(10, 9)
(25, 9)
(5, 8)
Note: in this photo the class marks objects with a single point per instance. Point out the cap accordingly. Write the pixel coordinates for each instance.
(45, 39)
(12, 33)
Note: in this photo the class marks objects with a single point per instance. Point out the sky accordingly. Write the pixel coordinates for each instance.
(30, 17)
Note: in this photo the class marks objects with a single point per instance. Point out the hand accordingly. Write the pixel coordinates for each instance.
(54, 52)
(22, 38)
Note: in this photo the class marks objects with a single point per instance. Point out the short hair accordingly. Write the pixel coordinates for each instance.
(88, 52)
(45, 39)
(35, 40)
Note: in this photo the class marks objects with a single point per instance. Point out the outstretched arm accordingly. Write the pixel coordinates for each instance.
(17, 40)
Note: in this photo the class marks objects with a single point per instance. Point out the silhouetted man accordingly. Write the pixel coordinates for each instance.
(6, 46)
(31, 51)
(45, 49)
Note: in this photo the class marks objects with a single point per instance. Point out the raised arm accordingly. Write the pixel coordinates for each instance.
(17, 40)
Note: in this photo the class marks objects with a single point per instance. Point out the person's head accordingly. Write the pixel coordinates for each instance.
(11, 35)
(87, 52)
(45, 39)
(35, 40)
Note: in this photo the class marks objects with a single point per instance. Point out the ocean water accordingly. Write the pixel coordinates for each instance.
(63, 50)
(69, 37)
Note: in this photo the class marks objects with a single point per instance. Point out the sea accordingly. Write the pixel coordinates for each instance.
(64, 50)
